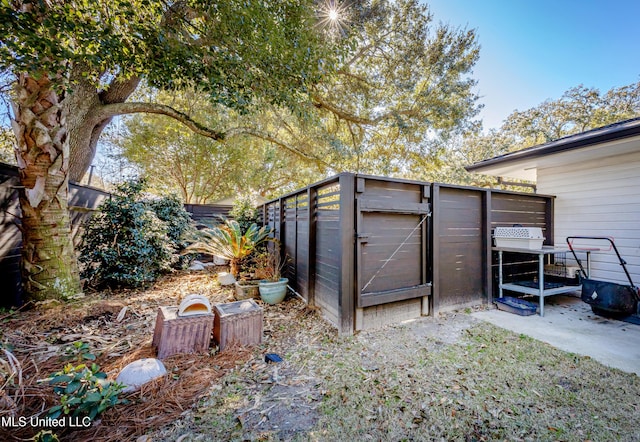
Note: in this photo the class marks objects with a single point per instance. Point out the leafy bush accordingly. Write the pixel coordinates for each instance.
(179, 225)
(83, 391)
(125, 243)
(244, 211)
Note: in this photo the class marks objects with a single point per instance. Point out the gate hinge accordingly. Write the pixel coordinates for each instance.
(363, 237)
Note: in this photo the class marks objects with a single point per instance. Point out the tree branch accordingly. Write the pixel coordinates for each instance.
(319, 102)
(113, 109)
(268, 137)
(119, 90)
(110, 110)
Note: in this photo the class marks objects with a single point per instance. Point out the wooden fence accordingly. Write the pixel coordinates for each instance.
(370, 250)
(207, 214)
(82, 201)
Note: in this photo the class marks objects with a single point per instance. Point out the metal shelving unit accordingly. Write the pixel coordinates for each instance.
(537, 288)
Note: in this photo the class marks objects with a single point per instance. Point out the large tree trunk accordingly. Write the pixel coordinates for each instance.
(87, 119)
(49, 265)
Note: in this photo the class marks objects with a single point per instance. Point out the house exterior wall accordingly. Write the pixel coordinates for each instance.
(598, 198)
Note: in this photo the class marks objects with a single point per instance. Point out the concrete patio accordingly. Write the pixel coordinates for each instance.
(570, 325)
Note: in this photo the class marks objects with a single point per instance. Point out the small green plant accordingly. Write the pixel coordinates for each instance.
(79, 351)
(83, 391)
(10, 368)
(45, 436)
(269, 263)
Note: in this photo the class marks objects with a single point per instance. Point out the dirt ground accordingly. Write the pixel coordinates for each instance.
(118, 326)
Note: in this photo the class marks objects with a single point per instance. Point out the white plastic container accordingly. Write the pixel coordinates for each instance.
(225, 278)
(529, 238)
(194, 304)
(219, 261)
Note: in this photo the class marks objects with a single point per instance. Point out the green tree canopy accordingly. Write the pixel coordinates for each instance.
(202, 170)
(400, 88)
(233, 51)
(76, 63)
(577, 110)
(404, 84)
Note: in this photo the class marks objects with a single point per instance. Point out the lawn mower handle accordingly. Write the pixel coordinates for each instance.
(613, 245)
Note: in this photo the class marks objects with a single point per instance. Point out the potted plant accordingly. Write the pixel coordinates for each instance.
(273, 287)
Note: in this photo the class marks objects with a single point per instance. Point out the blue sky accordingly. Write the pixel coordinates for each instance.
(535, 50)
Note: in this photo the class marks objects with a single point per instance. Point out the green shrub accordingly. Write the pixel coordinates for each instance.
(244, 211)
(83, 391)
(125, 243)
(170, 210)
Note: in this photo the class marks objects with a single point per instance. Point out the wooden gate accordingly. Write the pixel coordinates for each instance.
(392, 244)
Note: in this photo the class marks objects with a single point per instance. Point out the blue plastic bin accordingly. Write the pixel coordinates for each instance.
(516, 306)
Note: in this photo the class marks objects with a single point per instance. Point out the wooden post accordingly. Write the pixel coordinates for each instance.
(425, 197)
(312, 194)
(295, 239)
(548, 219)
(487, 240)
(280, 220)
(347, 255)
(435, 247)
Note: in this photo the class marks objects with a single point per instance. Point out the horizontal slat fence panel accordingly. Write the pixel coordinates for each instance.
(518, 209)
(208, 214)
(403, 242)
(461, 241)
(328, 250)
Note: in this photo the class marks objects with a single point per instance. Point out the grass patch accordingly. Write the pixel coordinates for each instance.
(396, 384)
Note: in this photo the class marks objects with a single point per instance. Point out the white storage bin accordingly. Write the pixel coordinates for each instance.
(519, 237)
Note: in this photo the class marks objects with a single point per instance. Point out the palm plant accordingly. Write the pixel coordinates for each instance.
(230, 242)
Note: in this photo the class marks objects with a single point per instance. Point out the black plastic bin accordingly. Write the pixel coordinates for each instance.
(609, 298)
(516, 306)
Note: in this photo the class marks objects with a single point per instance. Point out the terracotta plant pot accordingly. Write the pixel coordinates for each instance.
(273, 292)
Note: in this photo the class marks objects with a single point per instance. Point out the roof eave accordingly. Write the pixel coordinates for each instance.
(578, 141)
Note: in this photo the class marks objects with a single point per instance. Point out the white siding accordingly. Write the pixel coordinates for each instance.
(599, 198)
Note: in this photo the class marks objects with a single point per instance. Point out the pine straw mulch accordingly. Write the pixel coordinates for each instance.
(118, 326)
